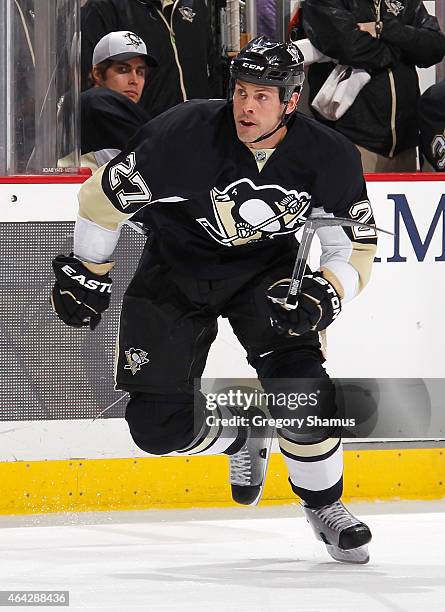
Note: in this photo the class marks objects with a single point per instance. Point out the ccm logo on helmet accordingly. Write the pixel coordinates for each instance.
(88, 284)
(252, 66)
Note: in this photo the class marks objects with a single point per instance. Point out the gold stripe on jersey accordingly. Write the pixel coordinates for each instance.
(261, 156)
(307, 450)
(332, 278)
(362, 258)
(97, 268)
(87, 160)
(96, 207)
(323, 338)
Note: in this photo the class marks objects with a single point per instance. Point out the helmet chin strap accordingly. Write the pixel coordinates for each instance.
(283, 121)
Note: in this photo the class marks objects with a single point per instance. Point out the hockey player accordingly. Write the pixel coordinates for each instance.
(224, 186)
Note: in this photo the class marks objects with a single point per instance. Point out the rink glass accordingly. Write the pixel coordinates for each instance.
(39, 85)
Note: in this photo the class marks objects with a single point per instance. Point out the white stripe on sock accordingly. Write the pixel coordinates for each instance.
(316, 475)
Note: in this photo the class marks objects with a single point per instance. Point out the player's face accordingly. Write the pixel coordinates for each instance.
(126, 77)
(257, 110)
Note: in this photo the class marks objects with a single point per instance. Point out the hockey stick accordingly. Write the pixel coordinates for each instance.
(255, 228)
(290, 302)
(217, 236)
(137, 227)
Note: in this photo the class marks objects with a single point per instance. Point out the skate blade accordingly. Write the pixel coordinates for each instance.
(358, 555)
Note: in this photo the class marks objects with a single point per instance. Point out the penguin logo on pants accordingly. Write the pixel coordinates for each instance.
(246, 213)
(135, 359)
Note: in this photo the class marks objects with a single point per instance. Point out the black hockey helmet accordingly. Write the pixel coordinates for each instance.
(271, 63)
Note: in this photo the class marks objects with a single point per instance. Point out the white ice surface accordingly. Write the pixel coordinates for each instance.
(244, 560)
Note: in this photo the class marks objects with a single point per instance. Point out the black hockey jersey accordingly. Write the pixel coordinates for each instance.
(216, 211)
(432, 125)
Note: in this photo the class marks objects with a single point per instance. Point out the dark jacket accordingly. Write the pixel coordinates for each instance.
(109, 121)
(383, 117)
(180, 38)
(432, 125)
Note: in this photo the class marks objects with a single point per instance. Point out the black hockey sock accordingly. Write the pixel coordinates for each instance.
(316, 499)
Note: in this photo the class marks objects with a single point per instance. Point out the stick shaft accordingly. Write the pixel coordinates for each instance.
(255, 228)
(291, 301)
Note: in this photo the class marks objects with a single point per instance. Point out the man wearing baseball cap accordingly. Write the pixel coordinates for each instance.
(110, 108)
(120, 61)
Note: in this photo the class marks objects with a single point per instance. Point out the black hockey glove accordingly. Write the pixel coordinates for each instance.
(318, 305)
(82, 291)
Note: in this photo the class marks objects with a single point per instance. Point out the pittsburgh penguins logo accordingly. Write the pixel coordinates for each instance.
(136, 358)
(394, 7)
(246, 213)
(133, 40)
(438, 151)
(187, 14)
(295, 53)
(261, 45)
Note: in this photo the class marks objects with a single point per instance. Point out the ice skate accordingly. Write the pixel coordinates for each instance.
(249, 465)
(346, 537)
